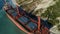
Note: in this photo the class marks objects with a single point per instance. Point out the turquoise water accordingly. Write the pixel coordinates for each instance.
(7, 26)
(1, 3)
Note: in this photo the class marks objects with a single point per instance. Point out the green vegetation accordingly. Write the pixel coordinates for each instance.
(58, 27)
(52, 13)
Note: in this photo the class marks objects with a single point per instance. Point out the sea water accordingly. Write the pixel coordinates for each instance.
(6, 25)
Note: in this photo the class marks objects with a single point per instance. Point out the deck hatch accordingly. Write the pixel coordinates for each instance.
(32, 25)
(11, 11)
(23, 19)
(14, 14)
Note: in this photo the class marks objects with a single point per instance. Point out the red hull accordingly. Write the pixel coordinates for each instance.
(18, 25)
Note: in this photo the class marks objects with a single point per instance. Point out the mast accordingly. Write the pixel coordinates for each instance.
(17, 10)
(39, 23)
